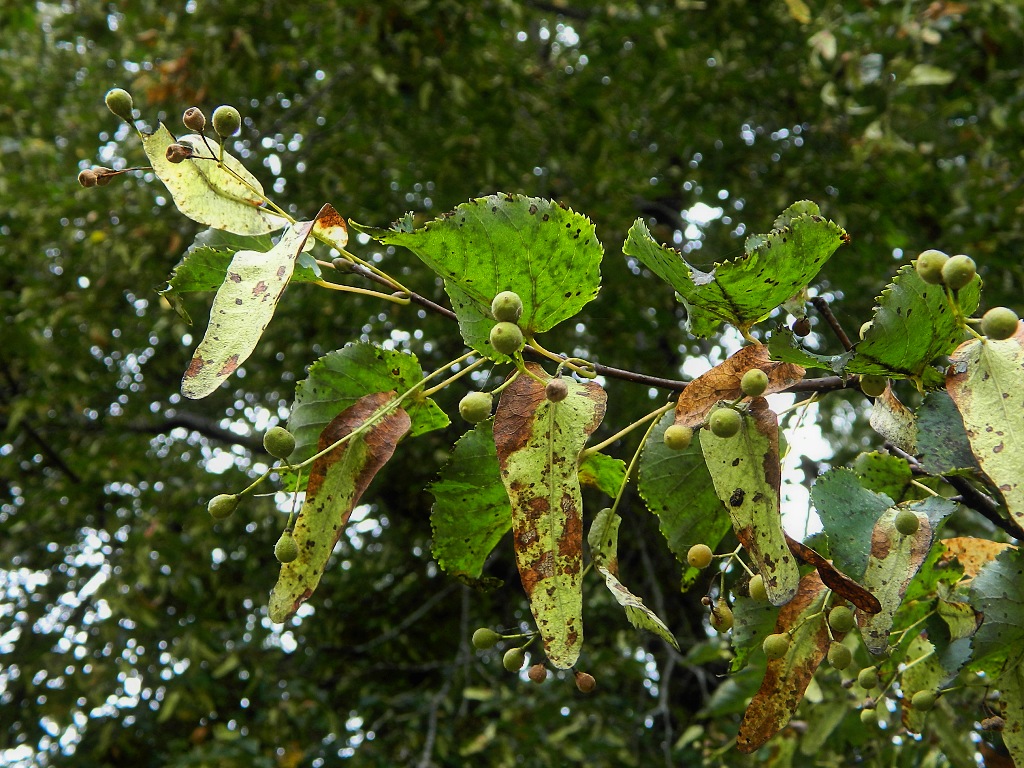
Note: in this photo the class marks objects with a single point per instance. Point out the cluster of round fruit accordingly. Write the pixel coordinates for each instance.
(507, 338)
(514, 658)
(279, 443)
(955, 272)
(724, 421)
(840, 621)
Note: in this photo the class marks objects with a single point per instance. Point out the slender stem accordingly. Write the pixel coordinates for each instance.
(455, 377)
(825, 311)
(626, 430)
(364, 291)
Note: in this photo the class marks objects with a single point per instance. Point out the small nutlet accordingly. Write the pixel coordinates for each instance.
(725, 422)
(929, 266)
(585, 682)
(223, 505)
(801, 327)
(756, 588)
(287, 549)
(959, 271)
(506, 338)
(754, 382)
(178, 153)
(700, 556)
(507, 307)
(88, 178)
(194, 119)
(104, 175)
(476, 406)
(841, 619)
(677, 437)
(556, 390)
(538, 673)
(721, 616)
(513, 659)
(279, 442)
(119, 101)
(226, 121)
(906, 522)
(485, 638)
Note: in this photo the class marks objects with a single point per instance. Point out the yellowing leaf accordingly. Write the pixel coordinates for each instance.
(893, 562)
(786, 679)
(604, 541)
(538, 444)
(242, 309)
(206, 192)
(747, 477)
(973, 553)
(336, 482)
(1011, 704)
(986, 381)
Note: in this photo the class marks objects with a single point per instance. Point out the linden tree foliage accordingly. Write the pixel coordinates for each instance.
(399, 513)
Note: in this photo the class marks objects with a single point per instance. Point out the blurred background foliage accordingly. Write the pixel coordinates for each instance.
(133, 628)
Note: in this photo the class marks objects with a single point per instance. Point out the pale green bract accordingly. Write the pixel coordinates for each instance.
(207, 193)
(242, 309)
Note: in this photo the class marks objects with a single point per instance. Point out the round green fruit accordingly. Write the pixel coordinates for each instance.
(507, 307)
(538, 673)
(923, 700)
(677, 437)
(754, 382)
(286, 549)
(906, 522)
(506, 338)
(725, 422)
(999, 323)
(221, 506)
(840, 619)
(513, 659)
(958, 271)
(485, 638)
(839, 656)
(475, 406)
(776, 646)
(868, 678)
(869, 717)
(226, 121)
(873, 386)
(929, 266)
(721, 616)
(556, 390)
(279, 442)
(119, 101)
(585, 682)
(756, 588)
(699, 556)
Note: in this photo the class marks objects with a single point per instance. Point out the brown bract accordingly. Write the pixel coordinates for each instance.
(786, 678)
(835, 579)
(723, 383)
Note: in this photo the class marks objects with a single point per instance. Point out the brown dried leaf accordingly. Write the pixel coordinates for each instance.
(971, 553)
(723, 383)
(835, 579)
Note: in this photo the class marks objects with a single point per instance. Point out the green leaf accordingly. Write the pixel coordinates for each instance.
(604, 542)
(242, 309)
(471, 509)
(913, 325)
(604, 472)
(744, 290)
(677, 487)
(547, 254)
(206, 192)
(786, 679)
(538, 444)
(753, 621)
(784, 345)
(924, 672)
(942, 444)
(1011, 704)
(894, 561)
(336, 483)
(338, 379)
(747, 477)
(883, 473)
(986, 381)
(998, 594)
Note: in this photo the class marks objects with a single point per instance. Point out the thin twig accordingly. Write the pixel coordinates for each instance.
(825, 311)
